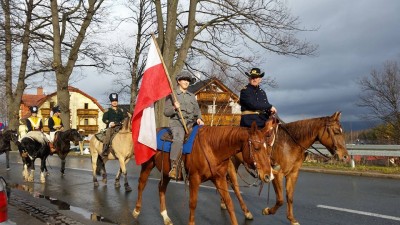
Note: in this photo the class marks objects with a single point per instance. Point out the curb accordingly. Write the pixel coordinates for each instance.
(351, 173)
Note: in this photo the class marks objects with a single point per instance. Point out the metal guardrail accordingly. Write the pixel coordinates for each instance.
(366, 150)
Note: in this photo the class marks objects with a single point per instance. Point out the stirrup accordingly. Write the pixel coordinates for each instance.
(173, 173)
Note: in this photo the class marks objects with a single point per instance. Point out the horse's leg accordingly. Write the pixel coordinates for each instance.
(232, 174)
(278, 187)
(8, 160)
(94, 168)
(291, 181)
(25, 173)
(126, 184)
(144, 175)
(162, 188)
(194, 184)
(222, 187)
(42, 170)
(31, 176)
(118, 176)
(62, 170)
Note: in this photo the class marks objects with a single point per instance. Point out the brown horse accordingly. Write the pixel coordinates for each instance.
(122, 146)
(209, 160)
(292, 140)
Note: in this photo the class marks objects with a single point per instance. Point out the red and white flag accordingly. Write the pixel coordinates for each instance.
(155, 85)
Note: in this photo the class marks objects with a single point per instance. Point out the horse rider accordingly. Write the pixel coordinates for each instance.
(55, 124)
(112, 118)
(34, 123)
(190, 109)
(254, 103)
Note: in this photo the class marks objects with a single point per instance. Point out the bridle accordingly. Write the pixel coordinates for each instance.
(331, 133)
(251, 152)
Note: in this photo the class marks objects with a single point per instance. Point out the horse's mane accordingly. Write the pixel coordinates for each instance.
(126, 124)
(303, 129)
(221, 136)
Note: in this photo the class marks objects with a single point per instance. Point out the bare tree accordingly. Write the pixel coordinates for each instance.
(142, 12)
(380, 93)
(233, 34)
(79, 15)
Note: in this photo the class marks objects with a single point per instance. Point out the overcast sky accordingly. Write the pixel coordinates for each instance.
(353, 36)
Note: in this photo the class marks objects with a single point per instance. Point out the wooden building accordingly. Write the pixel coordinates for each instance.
(86, 113)
(218, 104)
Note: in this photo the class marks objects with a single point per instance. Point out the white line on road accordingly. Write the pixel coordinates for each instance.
(360, 212)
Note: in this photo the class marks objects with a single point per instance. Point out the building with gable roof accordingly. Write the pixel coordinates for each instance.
(85, 111)
(218, 104)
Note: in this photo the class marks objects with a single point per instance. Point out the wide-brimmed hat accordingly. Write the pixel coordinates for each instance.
(185, 75)
(254, 73)
(113, 97)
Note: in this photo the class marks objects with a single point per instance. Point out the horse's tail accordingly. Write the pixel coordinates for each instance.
(99, 165)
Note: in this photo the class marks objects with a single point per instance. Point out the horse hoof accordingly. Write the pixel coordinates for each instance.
(168, 222)
(248, 216)
(8, 168)
(223, 206)
(96, 184)
(295, 223)
(117, 185)
(266, 211)
(128, 189)
(104, 181)
(135, 213)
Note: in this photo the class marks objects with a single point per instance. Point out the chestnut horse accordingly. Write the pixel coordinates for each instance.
(212, 148)
(292, 141)
(122, 146)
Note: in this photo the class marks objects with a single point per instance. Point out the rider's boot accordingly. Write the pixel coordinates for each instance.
(104, 153)
(173, 173)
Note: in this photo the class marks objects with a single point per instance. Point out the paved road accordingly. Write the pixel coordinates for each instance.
(320, 198)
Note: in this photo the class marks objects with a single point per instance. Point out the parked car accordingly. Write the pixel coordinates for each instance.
(4, 197)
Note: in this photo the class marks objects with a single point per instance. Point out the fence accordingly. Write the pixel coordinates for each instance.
(383, 155)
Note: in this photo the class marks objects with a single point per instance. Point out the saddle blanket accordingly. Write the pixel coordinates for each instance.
(166, 145)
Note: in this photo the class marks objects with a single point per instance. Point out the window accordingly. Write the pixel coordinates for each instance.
(86, 122)
(86, 106)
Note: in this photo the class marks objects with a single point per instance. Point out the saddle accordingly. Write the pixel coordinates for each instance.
(167, 136)
(102, 134)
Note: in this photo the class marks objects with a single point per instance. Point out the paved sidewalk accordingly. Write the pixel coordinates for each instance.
(25, 209)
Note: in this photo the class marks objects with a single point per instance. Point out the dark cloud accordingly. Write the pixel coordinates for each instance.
(354, 37)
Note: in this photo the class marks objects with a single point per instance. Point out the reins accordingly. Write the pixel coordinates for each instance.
(296, 142)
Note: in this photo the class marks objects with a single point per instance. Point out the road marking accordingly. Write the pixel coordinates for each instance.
(360, 212)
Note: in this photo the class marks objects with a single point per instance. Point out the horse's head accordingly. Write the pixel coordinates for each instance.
(127, 123)
(256, 153)
(332, 137)
(10, 135)
(75, 136)
(270, 129)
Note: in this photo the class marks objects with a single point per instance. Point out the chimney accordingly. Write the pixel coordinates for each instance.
(40, 91)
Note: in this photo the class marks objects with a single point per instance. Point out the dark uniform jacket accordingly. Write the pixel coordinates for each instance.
(111, 115)
(254, 99)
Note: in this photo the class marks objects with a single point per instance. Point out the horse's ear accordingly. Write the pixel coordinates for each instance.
(336, 115)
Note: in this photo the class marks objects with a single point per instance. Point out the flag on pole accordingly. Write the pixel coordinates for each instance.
(155, 85)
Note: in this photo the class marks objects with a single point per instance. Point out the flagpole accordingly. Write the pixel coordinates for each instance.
(170, 83)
